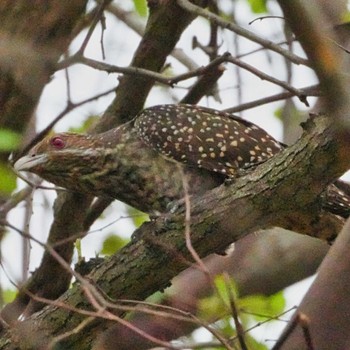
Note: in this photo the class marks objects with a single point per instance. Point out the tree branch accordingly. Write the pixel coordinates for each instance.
(258, 200)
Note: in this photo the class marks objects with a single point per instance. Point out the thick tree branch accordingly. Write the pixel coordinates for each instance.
(257, 200)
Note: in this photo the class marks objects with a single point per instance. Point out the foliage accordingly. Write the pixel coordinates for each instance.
(8, 179)
(137, 216)
(8, 295)
(112, 243)
(251, 309)
(9, 140)
(258, 6)
(141, 7)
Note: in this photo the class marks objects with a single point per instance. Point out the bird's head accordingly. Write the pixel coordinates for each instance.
(65, 159)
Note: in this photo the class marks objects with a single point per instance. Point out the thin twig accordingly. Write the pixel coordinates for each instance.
(26, 244)
(304, 323)
(110, 68)
(201, 70)
(68, 89)
(288, 331)
(103, 29)
(67, 109)
(15, 199)
(296, 92)
(96, 19)
(189, 245)
(160, 78)
(84, 323)
(239, 328)
(313, 90)
(187, 5)
(264, 17)
(226, 57)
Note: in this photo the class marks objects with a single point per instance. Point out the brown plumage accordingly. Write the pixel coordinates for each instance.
(117, 163)
(205, 138)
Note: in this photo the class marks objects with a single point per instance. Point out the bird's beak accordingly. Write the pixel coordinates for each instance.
(28, 162)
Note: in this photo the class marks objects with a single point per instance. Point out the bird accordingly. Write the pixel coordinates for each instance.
(211, 145)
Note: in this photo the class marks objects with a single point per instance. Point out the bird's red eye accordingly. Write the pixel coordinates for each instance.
(57, 142)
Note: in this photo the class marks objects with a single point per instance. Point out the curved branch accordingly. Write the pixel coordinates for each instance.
(257, 200)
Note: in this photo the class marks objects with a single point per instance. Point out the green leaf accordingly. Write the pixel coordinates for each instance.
(258, 6)
(226, 327)
(112, 243)
(156, 298)
(8, 295)
(7, 179)
(226, 289)
(141, 7)
(261, 307)
(77, 245)
(219, 303)
(138, 217)
(345, 19)
(253, 344)
(9, 140)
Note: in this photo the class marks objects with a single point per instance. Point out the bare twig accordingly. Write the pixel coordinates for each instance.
(226, 57)
(109, 68)
(187, 5)
(25, 241)
(299, 319)
(15, 199)
(239, 328)
(313, 90)
(84, 323)
(296, 92)
(189, 246)
(97, 18)
(103, 28)
(264, 17)
(201, 70)
(304, 323)
(68, 108)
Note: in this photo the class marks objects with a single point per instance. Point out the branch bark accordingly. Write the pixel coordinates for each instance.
(258, 200)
